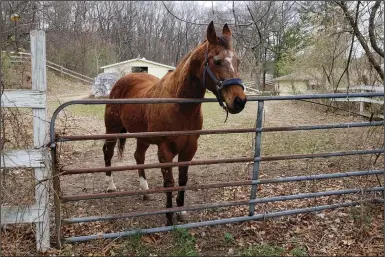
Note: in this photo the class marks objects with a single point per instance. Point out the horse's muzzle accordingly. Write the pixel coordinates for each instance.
(238, 105)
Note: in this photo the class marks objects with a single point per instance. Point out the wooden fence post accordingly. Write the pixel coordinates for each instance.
(39, 83)
(36, 158)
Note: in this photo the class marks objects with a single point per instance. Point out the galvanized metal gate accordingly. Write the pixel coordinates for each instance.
(253, 182)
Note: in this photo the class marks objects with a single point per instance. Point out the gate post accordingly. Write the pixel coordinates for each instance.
(39, 83)
(57, 193)
(257, 154)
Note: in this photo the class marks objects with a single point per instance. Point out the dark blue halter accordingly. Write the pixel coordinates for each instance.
(219, 84)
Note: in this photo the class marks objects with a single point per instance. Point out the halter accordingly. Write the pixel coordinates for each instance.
(219, 84)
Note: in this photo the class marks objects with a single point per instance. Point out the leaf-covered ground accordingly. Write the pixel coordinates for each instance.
(344, 231)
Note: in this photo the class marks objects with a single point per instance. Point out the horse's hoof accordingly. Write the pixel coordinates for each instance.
(148, 198)
(182, 216)
(110, 190)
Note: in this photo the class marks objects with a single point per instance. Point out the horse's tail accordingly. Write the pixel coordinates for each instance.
(121, 143)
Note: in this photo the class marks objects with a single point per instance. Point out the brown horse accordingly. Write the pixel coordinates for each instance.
(213, 65)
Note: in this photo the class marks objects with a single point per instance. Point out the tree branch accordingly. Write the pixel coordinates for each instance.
(195, 23)
(372, 38)
(255, 23)
(360, 38)
(346, 70)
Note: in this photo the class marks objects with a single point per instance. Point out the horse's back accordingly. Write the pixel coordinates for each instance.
(133, 85)
(130, 116)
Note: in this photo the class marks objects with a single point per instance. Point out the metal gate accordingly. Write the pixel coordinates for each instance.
(253, 182)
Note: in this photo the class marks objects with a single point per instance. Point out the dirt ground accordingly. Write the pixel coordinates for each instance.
(344, 231)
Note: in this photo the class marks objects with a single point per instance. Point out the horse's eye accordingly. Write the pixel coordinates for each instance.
(217, 60)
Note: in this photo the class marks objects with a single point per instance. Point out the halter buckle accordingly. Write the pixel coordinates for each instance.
(219, 85)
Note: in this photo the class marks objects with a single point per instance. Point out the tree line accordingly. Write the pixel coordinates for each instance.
(271, 38)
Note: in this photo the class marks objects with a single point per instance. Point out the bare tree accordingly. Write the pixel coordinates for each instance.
(356, 30)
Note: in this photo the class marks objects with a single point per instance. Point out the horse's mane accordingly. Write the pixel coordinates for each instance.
(222, 40)
(180, 76)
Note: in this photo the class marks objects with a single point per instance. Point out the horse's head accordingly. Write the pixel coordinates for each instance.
(220, 71)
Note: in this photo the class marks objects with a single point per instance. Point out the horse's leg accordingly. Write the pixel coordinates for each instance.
(165, 155)
(108, 150)
(140, 155)
(186, 155)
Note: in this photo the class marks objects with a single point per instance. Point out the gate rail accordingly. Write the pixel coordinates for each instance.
(254, 182)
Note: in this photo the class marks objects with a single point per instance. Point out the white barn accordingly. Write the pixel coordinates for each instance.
(138, 65)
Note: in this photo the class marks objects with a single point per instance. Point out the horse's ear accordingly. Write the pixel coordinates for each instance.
(211, 35)
(226, 30)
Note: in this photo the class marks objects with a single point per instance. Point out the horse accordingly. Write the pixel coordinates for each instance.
(212, 65)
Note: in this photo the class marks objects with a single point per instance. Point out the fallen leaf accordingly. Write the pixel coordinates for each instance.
(148, 239)
(298, 230)
(348, 242)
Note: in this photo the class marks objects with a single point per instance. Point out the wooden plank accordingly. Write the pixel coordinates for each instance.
(363, 88)
(20, 214)
(16, 53)
(73, 76)
(20, 56)
(251, 89)
(39, 82)
(22, 158)
(38, 61)
(23, 99)
(70, 71)
(359, 99)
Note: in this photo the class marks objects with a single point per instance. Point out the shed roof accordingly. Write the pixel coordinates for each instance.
(139, 59)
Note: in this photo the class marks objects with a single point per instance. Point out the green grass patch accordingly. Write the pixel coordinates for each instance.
(227, 144)
(299, 251)
(96, 111)
(93, 110)
(362, 215)
(262, 250)
(297, 142)
(184, 243)
(133, 246)
(229, 238)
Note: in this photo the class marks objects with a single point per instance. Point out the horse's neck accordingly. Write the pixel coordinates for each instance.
(187, 80)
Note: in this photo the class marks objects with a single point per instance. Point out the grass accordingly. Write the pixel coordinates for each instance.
(95, 110)
(269, 250)
(299, 251)
(362, 215)
(184, 243)
(229, 238)
(226, 145)
(133, 246)
(262, 250)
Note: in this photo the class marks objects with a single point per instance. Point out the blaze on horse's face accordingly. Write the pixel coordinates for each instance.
(224, 64)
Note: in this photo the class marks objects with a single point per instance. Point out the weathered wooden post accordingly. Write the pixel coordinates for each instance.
(39, 83)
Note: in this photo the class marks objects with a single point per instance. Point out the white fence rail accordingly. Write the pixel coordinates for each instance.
(362, 100)
(20, 57)
(37, 213)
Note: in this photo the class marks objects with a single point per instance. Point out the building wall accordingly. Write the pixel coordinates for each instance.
(289, 87)
(125, 68)
(157, 71)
